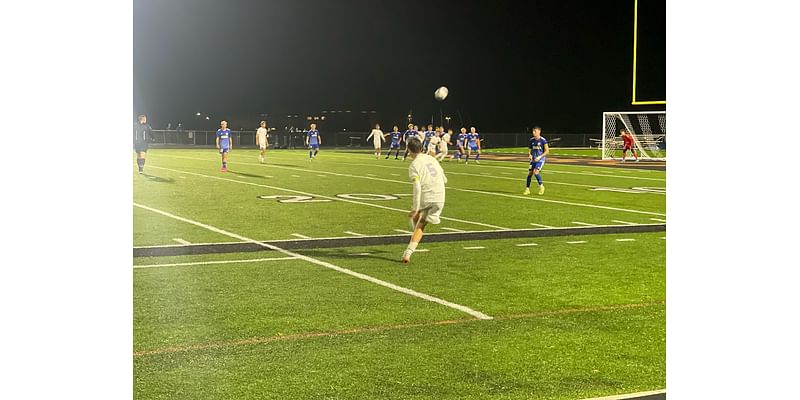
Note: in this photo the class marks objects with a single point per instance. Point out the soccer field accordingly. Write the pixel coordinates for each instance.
(556, 296)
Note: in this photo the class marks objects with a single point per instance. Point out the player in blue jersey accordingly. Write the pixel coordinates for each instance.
(313, 141)
(461, 139)
(410, 133)
(224, 143)
(537, 153)
(396, 139)
(473, 143)
(429, 133)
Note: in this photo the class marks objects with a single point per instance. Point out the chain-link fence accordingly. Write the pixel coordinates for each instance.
(289, 140)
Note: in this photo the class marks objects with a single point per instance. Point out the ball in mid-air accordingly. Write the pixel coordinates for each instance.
(440, 93)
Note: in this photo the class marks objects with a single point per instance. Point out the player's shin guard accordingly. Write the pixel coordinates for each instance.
(412, 246)
(310, 153)
(528, 181)
(538, 179)
(140, 163)
(315, 152)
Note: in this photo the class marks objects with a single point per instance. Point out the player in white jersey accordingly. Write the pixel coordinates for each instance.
(433, 142)
(261, 140)
(443, 145)
(428, 201)
(377, 139)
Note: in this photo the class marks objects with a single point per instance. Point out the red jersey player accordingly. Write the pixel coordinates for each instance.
(627, 144)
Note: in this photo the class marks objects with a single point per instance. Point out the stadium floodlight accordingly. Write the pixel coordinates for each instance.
(207, 118)
(198, 114)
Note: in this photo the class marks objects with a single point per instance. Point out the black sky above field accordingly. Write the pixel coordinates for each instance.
(509, 65)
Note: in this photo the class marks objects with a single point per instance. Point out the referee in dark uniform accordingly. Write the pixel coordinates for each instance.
(142, 135)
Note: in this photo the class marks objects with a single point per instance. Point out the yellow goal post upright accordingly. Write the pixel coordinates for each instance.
(649, 130)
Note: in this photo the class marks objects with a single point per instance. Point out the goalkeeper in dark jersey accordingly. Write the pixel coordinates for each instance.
(142, 136)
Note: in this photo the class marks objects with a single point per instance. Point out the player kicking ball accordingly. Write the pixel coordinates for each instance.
(537, 153)
(224, 143)
(313, 141)
(429, 180)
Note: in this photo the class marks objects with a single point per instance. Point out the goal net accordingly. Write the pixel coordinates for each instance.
(649, 130)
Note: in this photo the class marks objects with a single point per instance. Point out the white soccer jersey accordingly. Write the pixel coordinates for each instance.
(431, 178)
(377, 137)
(261, 134)
(445, 139)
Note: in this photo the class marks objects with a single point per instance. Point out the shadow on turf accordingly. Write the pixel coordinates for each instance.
(349, 255)
(247, 175)
(158, 178)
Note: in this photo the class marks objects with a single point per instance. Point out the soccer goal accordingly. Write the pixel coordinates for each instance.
(649, 130)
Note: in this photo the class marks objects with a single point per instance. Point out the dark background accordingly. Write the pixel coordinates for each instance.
(508, 65)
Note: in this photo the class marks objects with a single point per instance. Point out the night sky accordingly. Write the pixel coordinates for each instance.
(509, 65)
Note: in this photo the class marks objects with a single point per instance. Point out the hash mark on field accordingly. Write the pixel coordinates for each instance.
(474, 248)
(403, 231)
(362, 254)
(625, 240)
(663, 238)
(422, 250)
(301, 236)
(322, 176)
(577, 242)
(181, 241)
(454, 229)
(542, 226)
(526, 244)
(411, 292)
(295, 176)
(394, 174)
(658, 220)
(353, 233)
(371, 175)
(624, 222)
(582, 223)
(213, 262)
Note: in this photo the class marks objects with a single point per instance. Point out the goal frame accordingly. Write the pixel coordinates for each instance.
(607, 147)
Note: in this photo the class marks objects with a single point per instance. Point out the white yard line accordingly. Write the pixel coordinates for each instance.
(324, 197)
(181, 241)
(453, 230)
(353, 233)
(541, 226)
(362, 254)
(577, 242)
(626, 240)
(526, 244)
(296, 176)
(583, 223)
(325, 264)
(630, 395)
(658, 220)
(403, 231)
(214, 262)
(301, 236)
(474, 247)
(624, 222)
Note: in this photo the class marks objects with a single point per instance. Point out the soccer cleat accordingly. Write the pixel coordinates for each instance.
(405, 259)
(141, 172)
(527, 191)
(541, 189)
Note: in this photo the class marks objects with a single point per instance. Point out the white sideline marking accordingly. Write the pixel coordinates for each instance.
(629, 395)
(295, 176)
(663, 238)
(353, 233)
(542, 226)
(658, 220)
(453, 229)
(213, 262)
(624, 222)
(474, 247)
(411, 292)
(577, 242)
(526, 244)
(322, 176)
(582, 223)
(181, 241)
(372, 175)
(394, 174)
(362, 254)
(403, 231)
(322, 196)
(301, 236)
(625, 240)
(421, 250)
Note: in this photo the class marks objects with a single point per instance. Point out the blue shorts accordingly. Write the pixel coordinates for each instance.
(394, 145)
(473, 147)
(313, 146)
(140, 147)
(224, 150)
(537, 164)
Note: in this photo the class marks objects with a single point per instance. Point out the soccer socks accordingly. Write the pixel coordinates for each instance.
(528, 181)
(140, 163)
(310, 153)
(224, 164)
(315, 152)
(412, 246)
(477, 156)
(538, 179)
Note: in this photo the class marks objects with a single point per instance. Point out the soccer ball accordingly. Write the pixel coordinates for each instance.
(440, 93)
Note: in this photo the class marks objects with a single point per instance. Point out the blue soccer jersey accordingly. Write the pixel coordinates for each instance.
(537, 146)
(429, 135)
(472, 140)
(396, 137)
(461, 138)
(410, 134)
(224, 136)
(313, 137)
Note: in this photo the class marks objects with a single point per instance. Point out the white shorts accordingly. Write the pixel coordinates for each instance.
(262, 145)
(377, 145)
(431, 212)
